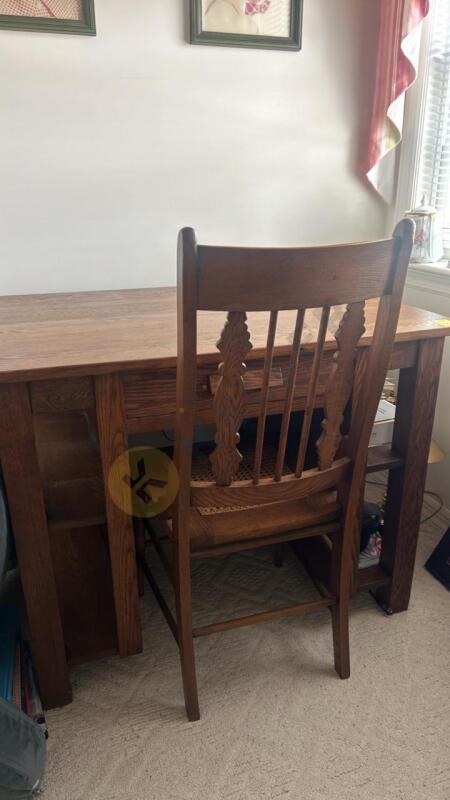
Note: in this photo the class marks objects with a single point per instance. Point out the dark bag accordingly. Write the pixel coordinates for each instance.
(439, 561)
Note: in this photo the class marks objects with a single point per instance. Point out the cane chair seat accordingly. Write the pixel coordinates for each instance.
(212, 527)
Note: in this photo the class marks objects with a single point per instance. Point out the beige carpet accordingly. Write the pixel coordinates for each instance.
(276, 720)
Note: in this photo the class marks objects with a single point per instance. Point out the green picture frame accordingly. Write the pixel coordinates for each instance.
(224, 39)
(85, 26)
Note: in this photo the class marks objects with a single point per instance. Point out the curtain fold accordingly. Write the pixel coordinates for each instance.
(399, 24)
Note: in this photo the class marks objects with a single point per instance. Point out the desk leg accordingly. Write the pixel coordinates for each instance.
(26, 504)
(113, 441)
(416, 401)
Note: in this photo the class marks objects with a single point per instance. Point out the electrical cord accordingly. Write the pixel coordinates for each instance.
(427, 491)
(439, 508)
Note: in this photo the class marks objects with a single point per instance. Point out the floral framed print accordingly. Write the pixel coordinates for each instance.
(59, 16)
(272, 24)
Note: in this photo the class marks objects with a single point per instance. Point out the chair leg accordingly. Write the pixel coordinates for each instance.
(279, 554)
(185, 638)
(339, 619)
(340, 588)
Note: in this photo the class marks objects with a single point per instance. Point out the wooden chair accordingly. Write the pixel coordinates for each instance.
(241, 503)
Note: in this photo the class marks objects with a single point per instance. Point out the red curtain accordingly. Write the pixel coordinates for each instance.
(394, 73)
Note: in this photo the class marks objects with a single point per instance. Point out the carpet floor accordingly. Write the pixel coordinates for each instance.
(276, 722)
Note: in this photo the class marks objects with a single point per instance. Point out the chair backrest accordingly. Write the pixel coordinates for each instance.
(240, 280)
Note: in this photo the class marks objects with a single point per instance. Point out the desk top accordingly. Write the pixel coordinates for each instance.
(57, 335)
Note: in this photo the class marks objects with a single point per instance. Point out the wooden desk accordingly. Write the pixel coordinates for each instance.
(109, 360)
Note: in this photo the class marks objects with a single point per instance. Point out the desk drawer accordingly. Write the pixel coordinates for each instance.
(150, 395)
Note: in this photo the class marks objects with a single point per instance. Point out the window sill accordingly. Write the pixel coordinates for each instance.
(430, 278)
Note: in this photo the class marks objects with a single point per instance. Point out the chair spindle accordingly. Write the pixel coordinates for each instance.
(289, 393)
(312, 391)
(264, 395)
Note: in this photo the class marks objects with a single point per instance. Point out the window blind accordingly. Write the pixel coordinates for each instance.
(434, 155)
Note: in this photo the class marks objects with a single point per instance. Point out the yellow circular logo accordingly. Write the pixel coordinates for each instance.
(143, 482)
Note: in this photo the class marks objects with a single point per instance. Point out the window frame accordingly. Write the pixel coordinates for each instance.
(410, 147)
(408, 165)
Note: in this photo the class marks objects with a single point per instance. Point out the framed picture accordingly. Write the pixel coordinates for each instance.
(272, 24)
(59, 16)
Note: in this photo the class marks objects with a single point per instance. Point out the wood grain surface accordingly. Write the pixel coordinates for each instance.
(43, 336)
(26, 505)
(113, 442)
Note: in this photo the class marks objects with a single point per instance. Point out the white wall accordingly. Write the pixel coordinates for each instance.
(110, 144)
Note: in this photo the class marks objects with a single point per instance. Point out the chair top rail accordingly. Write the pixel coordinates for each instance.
(292, 278)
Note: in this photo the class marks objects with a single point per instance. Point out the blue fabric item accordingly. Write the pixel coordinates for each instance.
(8, 639)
